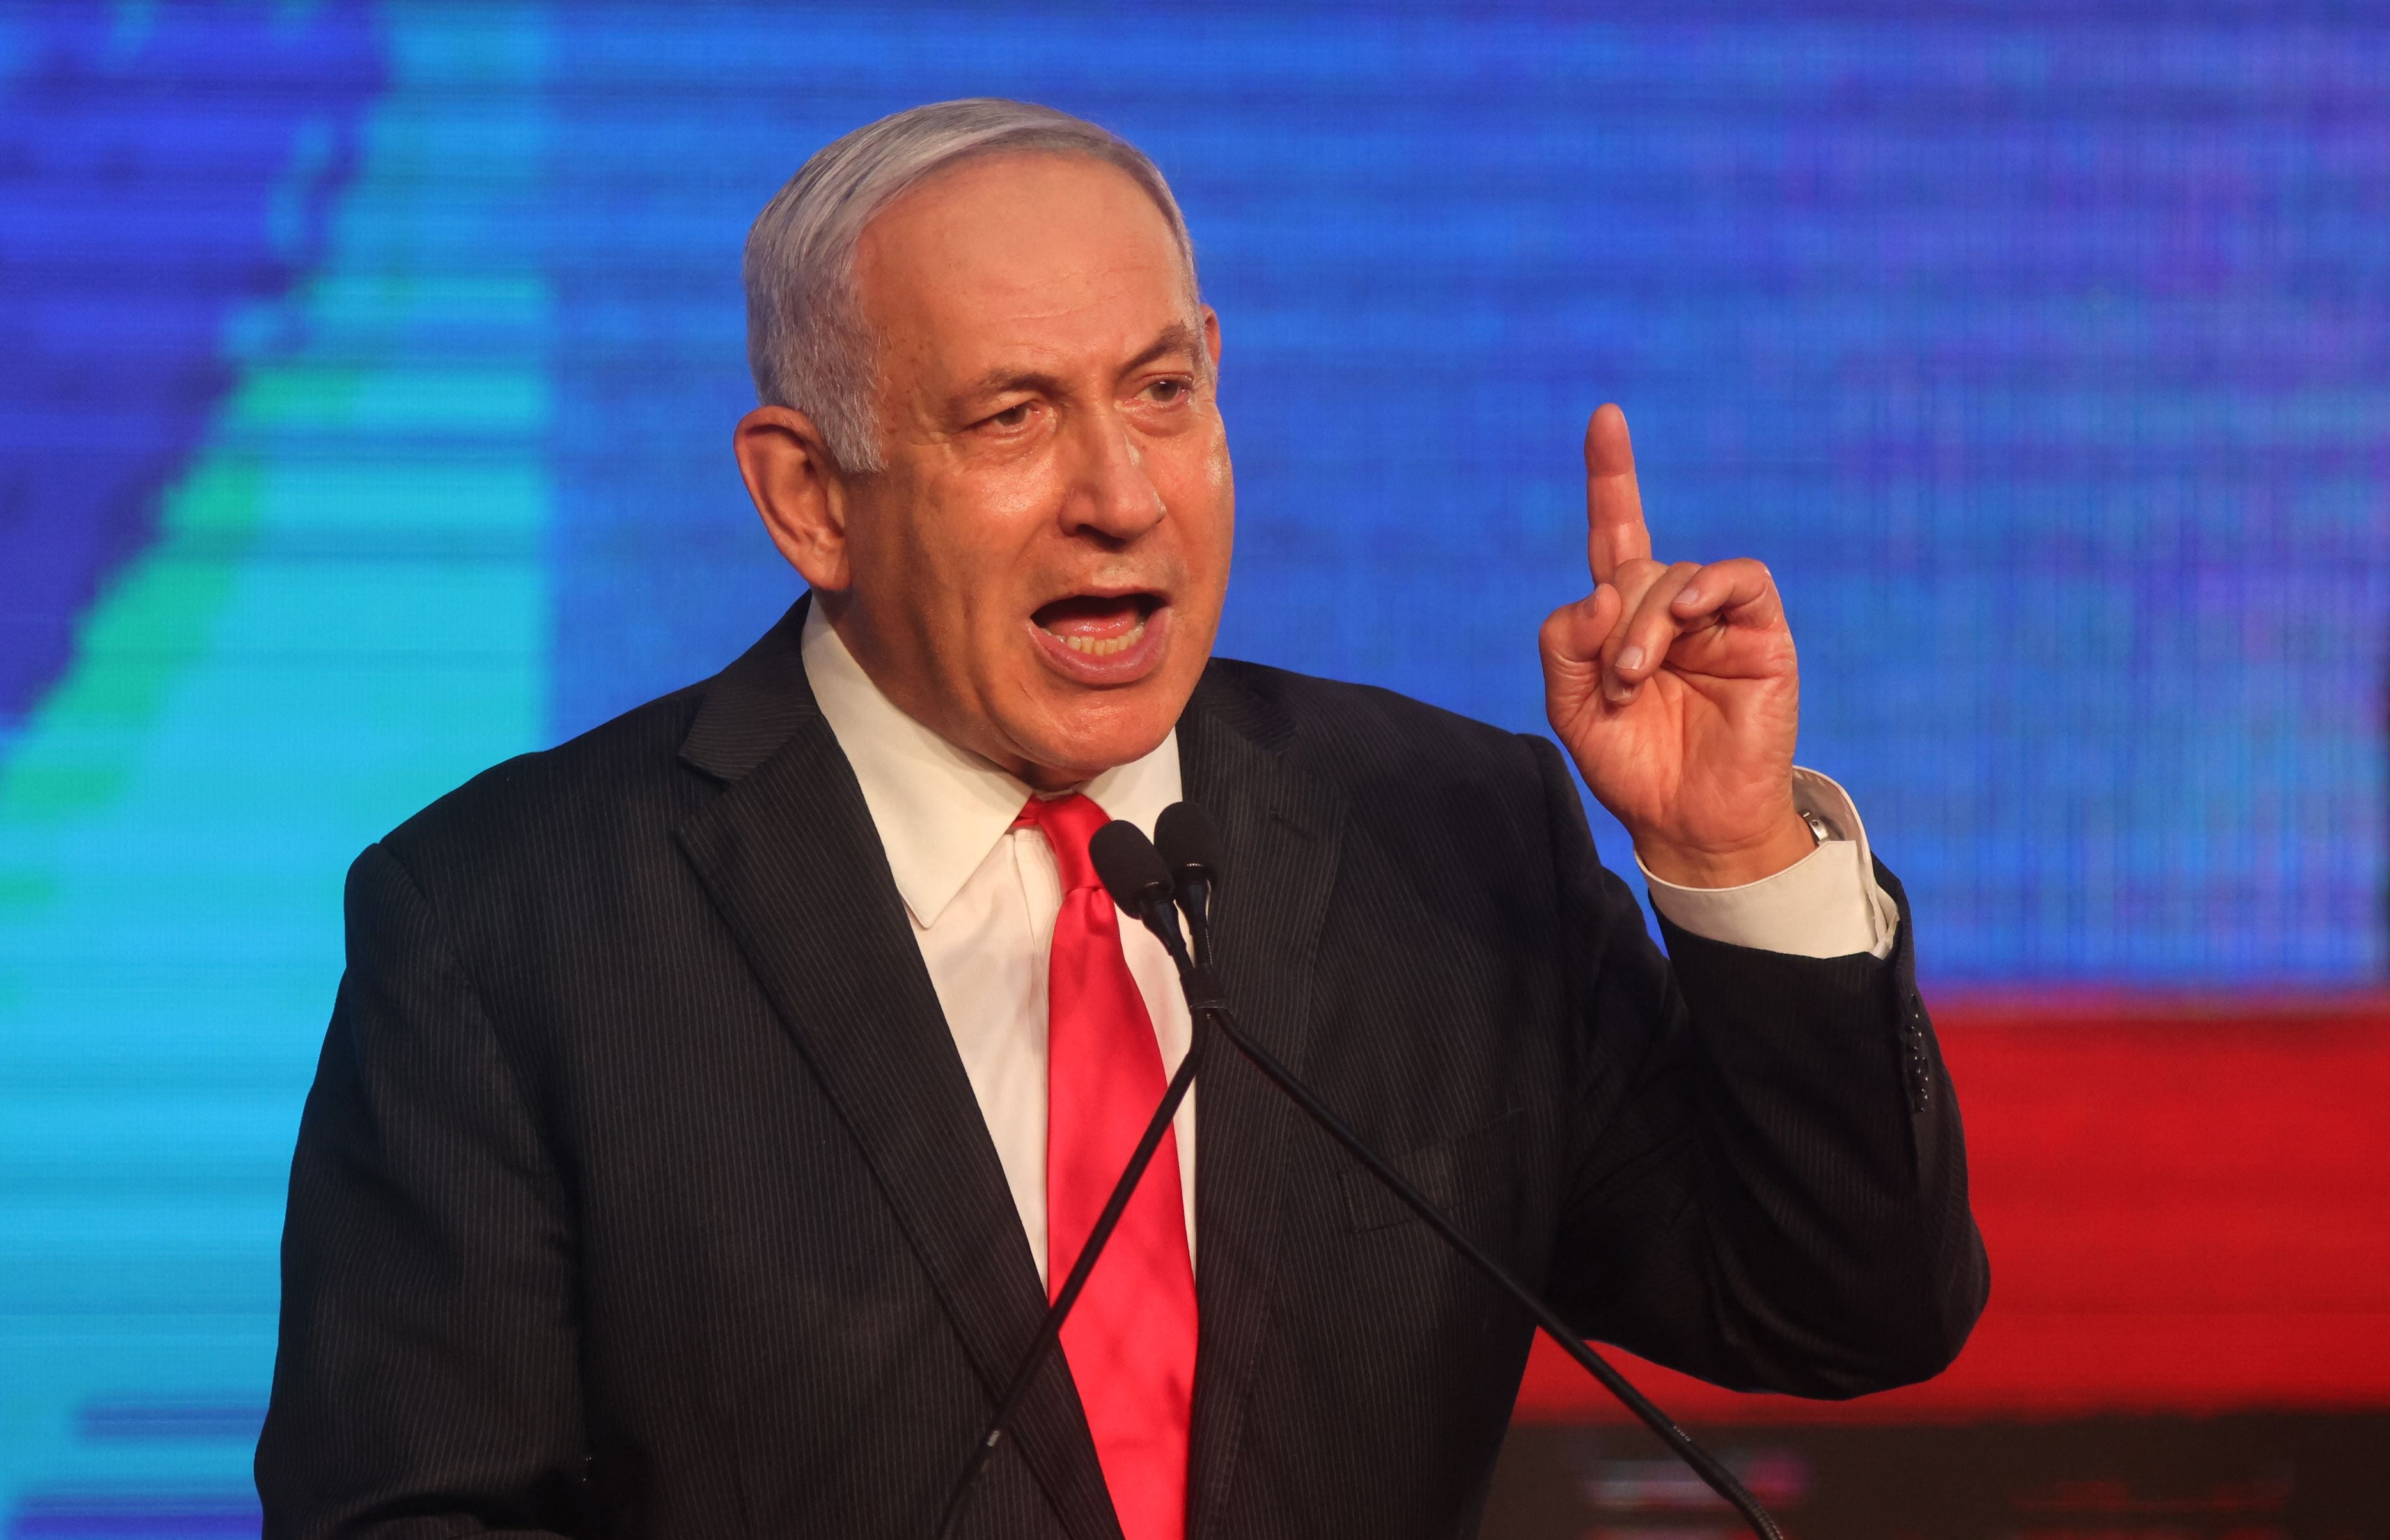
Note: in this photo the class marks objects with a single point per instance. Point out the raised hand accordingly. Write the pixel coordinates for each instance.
(1675, 689)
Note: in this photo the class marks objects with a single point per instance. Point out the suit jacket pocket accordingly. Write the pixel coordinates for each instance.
(1447, 1174)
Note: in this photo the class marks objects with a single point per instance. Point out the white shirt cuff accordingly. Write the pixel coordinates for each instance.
(1828, 904)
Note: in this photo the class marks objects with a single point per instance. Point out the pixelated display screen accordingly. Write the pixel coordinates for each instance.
(366, 377)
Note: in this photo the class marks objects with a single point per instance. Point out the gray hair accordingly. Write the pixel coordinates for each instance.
(806, 342)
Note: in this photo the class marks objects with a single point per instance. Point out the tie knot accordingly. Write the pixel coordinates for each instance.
(1069, 824)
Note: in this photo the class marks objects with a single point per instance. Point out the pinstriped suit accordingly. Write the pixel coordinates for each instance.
(642, 1191)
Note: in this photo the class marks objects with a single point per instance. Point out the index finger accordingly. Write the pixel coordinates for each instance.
(1614, 505)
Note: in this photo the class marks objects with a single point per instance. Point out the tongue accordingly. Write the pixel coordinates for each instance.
(1097, 620)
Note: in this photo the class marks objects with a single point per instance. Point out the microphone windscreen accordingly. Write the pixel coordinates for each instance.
(1188, 840)
(1128, 865)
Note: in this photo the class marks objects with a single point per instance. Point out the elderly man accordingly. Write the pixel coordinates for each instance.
(712, 1102)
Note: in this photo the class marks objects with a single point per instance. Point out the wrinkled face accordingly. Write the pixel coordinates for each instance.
(1037, 572)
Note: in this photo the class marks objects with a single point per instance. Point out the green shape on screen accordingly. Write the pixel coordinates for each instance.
(344, 614)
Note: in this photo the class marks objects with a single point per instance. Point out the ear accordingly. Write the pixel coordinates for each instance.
(1212, 338)
(797, 489)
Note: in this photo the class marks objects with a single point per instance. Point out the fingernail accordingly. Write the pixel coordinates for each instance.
(1688, 596)
(1630, 656)
(1618, 692)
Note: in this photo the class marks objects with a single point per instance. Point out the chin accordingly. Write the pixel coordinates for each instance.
(1099, 735)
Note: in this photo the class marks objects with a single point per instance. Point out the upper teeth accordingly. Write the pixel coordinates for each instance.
(1105, 647)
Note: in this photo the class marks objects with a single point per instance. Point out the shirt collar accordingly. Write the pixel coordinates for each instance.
(939, 809)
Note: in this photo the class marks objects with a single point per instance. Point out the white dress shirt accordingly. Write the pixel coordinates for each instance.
(982, 897)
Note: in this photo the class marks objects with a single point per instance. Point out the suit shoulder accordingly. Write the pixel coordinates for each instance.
(619, 776)
(1348, 733)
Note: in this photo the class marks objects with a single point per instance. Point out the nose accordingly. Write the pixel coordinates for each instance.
(1110, 495)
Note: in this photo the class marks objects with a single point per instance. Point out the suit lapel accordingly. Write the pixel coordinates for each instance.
(1279, 830)
(790, 857)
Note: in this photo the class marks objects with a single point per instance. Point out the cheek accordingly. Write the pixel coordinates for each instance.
(974, 543)
(1203, 494)
(912, 550)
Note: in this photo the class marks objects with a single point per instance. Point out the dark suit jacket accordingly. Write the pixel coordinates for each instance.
(641, 1190)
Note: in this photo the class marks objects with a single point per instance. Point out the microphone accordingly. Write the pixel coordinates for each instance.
(1192, 847)
(1133, 874)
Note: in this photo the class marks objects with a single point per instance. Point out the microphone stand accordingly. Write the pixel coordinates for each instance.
(1139, 883)
(1050, 1334)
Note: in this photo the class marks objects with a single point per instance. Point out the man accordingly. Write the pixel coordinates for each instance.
(712, 1102)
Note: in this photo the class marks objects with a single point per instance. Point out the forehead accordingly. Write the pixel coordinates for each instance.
(1029, 253)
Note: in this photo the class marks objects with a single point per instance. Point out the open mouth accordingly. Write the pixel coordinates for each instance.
(1098, 626)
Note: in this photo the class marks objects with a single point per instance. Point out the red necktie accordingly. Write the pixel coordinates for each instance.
(1130, 1339)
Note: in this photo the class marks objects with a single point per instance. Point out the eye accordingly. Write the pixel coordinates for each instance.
(1170, 391)
(1014, 415)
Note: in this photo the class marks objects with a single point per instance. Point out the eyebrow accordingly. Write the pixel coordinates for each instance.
(1178, 337)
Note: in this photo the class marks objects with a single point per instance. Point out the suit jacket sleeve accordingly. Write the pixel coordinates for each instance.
(426, 1382)
(1769, 1182)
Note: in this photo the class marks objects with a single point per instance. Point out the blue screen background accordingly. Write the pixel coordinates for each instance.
(365, 418)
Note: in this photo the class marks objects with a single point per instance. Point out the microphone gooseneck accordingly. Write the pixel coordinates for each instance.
(1191, 846)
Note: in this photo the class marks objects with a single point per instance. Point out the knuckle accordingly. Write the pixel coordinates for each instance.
(1635, 588)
